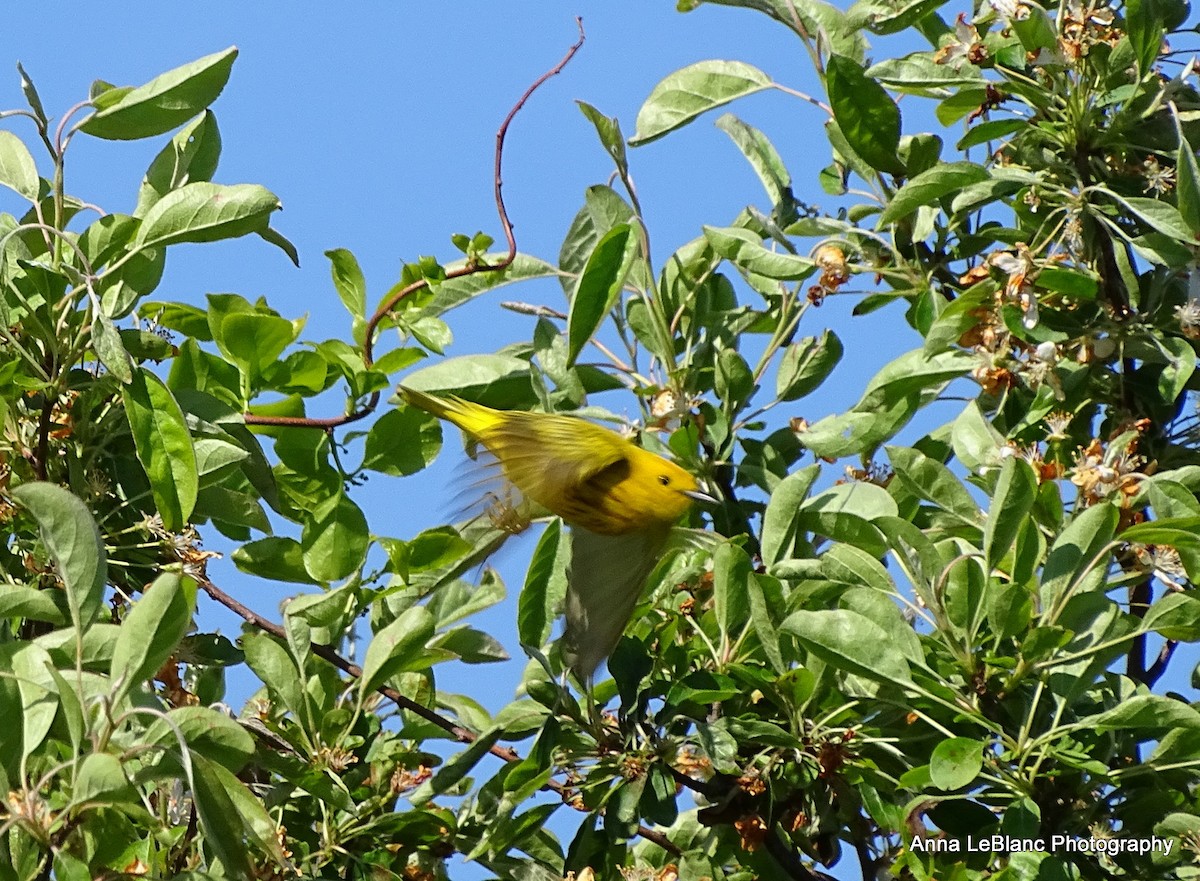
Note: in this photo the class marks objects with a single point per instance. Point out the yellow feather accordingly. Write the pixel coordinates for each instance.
(588, 475)
(621, 499)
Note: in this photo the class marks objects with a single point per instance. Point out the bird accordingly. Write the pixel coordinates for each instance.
(620, 501)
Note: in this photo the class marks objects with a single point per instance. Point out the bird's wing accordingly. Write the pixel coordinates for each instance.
(603, 585)
(559, 452)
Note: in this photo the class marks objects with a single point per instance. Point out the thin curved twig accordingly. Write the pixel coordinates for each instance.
(327, 424)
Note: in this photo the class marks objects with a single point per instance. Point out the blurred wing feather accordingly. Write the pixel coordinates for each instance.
(603, 585)
(551, 456)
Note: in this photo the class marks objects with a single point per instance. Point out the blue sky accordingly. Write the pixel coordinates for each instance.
(375, 125)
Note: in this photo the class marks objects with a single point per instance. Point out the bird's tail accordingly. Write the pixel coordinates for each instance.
(475, 419)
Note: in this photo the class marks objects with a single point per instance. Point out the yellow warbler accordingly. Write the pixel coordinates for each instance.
(620, 500)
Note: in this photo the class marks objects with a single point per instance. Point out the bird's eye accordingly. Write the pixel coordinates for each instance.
(664, 480)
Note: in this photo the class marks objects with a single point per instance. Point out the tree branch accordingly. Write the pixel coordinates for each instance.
(1159, 667)
(1140, 595)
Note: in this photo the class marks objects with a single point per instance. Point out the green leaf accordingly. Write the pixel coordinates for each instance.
(1176, 616)
(764, 610)
(929, 186)
(762, 156)
(230, 506)
(1162, 217)
(30, 666)
(121, 289)
(500, 381)
(1076, 549)
(609, 131)
(73, 543)
(454, 292)
(71, 706)
(189, 156)
(164, 447)
(101, 778)
(335, 539)
(206, 212)
(348, 281)
(397, 648)
(743, 248)
(810, 20)
(106, 343)
(274, 666)
(917, 73)
(31, 94)
(107, 237)
(183, 318)
(731, 572)
(253, 341)
(471, 646)
(990, 131)
(1181, 364)
(545, 587)
(152, 629)
(893, 17)
(457, 767)
(209, 732)
(599, 286)
(1151, 711)
(221, 822)
(402, 441)
(1070, 282)
(806, 364)
(932, 481)
(854, 567)
(687, 93)
(435, 549)
(163, 103)
(17, 601)
(976, 443)
(1034, 28)
(17, 169)
(1187, 183)
(1144, 25)
(875, 604)
(955, 763)
(1016, 492)
(865, 500)
(865, 113)
(280, 241)
(734, 382)
(1173, 531)
(849, 642)
(779, 521)
(845, 513)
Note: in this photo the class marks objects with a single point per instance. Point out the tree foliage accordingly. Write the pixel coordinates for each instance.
(969, 636)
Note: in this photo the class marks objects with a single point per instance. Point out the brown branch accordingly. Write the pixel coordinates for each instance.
(1140, 595)
(461, 734)
(329, 423)
(705, 787)
(1159, 667)
(181, 858)
(43, 440)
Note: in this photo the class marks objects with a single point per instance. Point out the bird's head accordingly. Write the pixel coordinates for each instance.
(669, 488)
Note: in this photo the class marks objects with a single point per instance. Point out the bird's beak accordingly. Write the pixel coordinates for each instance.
(700, 495)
